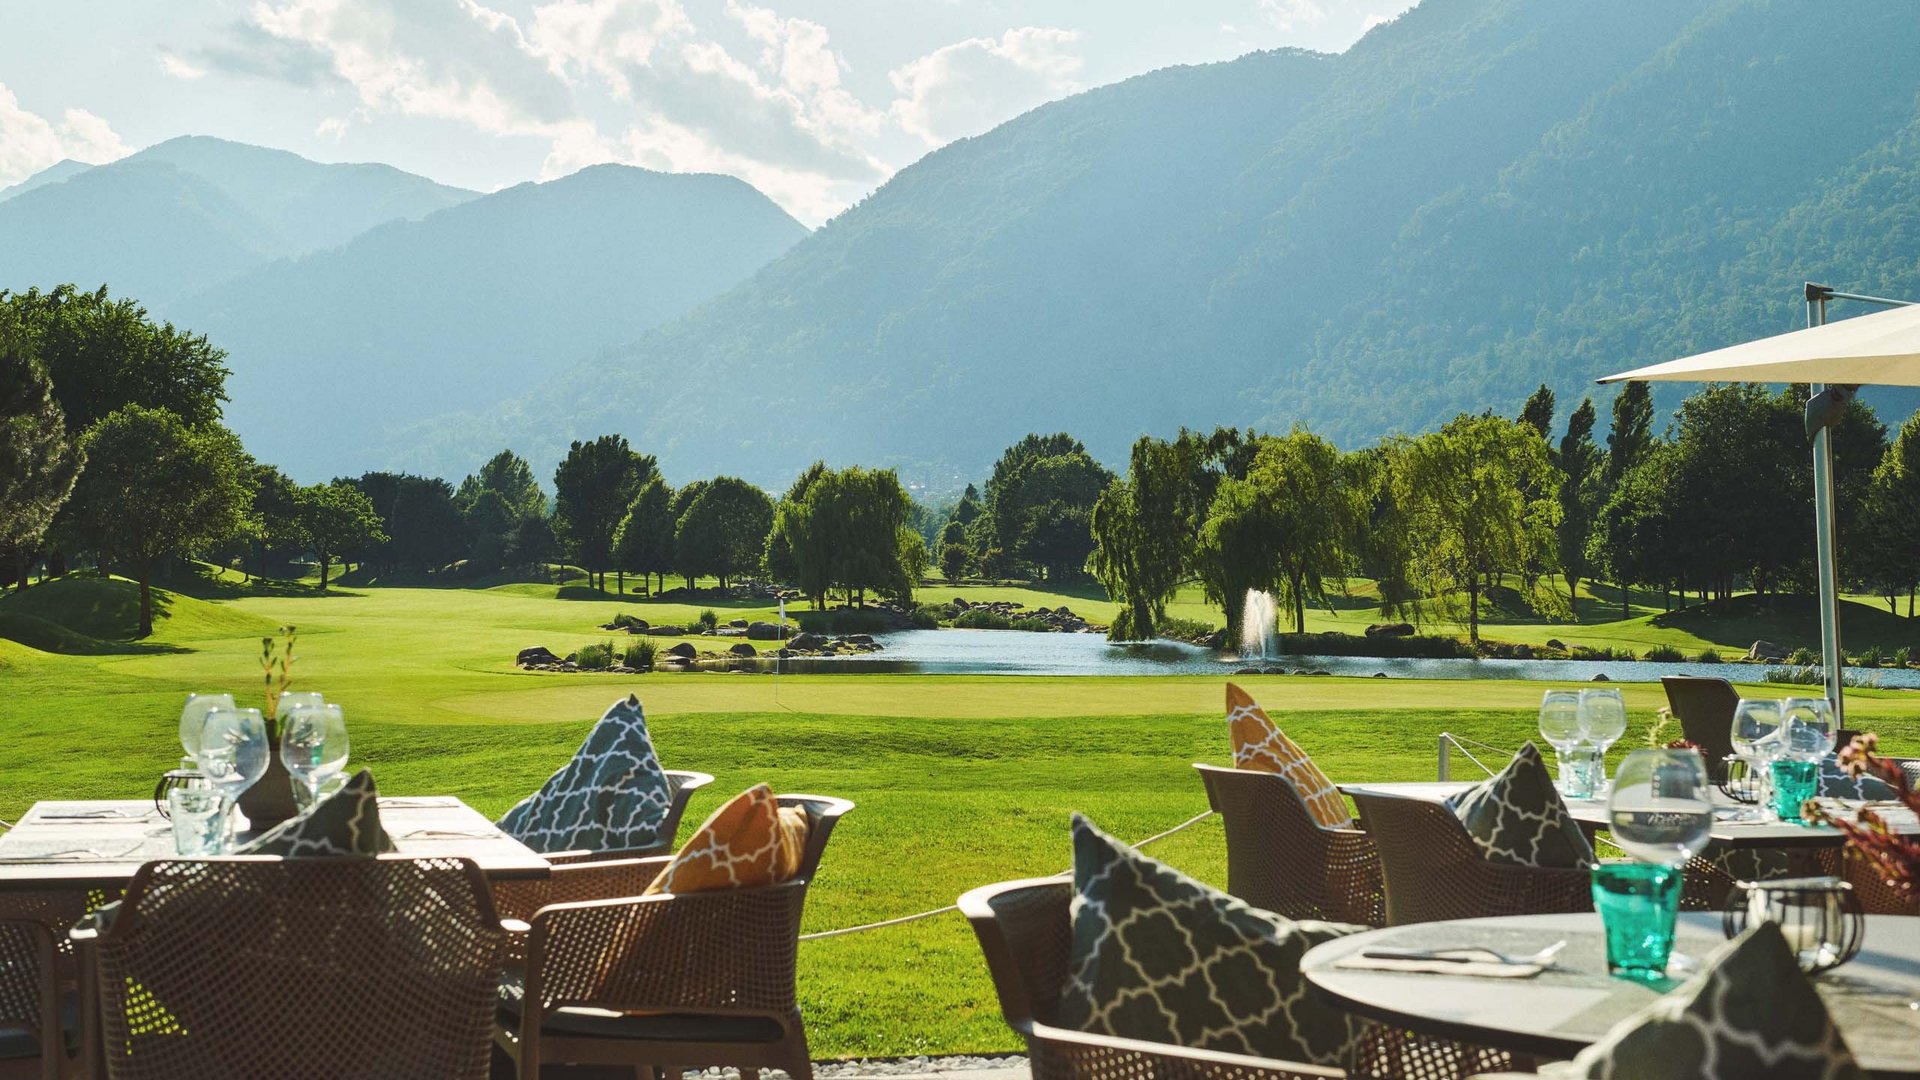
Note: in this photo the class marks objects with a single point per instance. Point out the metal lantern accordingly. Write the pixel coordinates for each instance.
(1820, 917)
(1740, 781)
(175, 778)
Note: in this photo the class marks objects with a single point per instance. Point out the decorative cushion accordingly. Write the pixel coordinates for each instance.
(750, 841)
(1749, 1015)
(1259, 744)
(1838, 783)
(346, 822)
(613, 795)
(1159, 956)
(1517, 817)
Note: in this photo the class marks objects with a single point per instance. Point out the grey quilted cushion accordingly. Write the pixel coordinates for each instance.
(613, 795)
(1749, 1015)
(1838, 783)
(346, 822)
(1161, 957)
(1518, 817)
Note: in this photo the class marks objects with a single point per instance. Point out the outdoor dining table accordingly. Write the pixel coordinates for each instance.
(1728, 832)
(65, 844)
(1557, 1013)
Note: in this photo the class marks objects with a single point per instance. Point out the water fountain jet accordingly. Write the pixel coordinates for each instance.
(1259, 623)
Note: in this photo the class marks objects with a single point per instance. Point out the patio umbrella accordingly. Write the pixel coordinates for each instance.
(1835, 359)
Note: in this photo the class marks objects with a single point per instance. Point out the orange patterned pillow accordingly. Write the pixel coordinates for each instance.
(1258, 744)
(750, 841)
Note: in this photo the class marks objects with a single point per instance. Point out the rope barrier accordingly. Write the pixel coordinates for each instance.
(917, 916)
(1459, 742)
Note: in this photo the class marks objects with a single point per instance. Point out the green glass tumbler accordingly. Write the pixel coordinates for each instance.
(1637, 903)
(1794, 782)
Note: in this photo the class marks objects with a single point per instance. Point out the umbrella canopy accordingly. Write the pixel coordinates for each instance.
(1881, 349)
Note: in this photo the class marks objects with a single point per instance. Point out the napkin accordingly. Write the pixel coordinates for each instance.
(1488, 969)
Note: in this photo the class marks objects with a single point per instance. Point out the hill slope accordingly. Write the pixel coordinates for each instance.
(466, 307)
(52, 174)
(1477, 197)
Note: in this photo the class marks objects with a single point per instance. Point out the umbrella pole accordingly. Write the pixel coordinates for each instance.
(1823, 517)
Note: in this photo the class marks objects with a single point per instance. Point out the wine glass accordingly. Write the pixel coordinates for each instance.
(1661, 807)
(313, 744)
(233, 753)
(1604, 715)
(296, 699)
(1560, 726)
(1806, 728)
(193, 717)
(1756, 738)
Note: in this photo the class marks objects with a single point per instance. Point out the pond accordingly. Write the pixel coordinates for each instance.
(1016, 652)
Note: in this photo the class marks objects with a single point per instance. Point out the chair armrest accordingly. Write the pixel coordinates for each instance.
(1061, 1052)
(519, 900)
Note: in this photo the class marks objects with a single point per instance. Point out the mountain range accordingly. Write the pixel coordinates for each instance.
(1477, 197)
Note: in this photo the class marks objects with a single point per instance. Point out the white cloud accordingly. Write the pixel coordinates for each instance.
(1291, 14)
(1376, 19)
(29, 142)
(968, 87)
(179, 66)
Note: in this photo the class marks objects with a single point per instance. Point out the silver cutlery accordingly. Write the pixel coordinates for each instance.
(1470, 954)
(70, 855)
(448, 834)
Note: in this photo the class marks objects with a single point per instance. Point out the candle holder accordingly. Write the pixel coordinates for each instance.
(175, 778)
(1740, 781)
(1820, 917)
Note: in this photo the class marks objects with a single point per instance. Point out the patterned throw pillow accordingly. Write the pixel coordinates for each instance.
(1838, 783)
(1161, 957)
(1749, 1015)
(750, 841)
(1260, 745)
(1517, 817)
(613, 795)
(346, 822)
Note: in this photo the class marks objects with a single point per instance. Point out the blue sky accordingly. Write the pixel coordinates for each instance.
(815, 102)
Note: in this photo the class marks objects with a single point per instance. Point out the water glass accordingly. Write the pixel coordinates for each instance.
(193, 717)
(1582, 769)
(1560, 727)
(199, 821)
(1794, 782)
(1756, 737)
(313, 745)
(1603, 716)
(1637, 903)
(234, 751)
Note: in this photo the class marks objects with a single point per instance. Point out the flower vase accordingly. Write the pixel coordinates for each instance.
(270, 801)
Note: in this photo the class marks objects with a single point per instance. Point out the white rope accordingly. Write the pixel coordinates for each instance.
(1457, 740)
(917, 916)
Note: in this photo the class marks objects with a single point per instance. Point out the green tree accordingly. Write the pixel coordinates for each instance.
(953, 560)
(1580, 493)
(156, 488)
(421, 518)
(39, 462)
(596, 482)
(846, 528)
(644, 541)
(1238, 549)
(103, 354)
(1631, 435)
(1888, 548)
(1384, 542)
(334, 520)
(1537, 413)
(508, 475)
(1144, 530)
(1634, 533)
(1466, 487)
(1038, 499)
(724, 531)
(1300, 475)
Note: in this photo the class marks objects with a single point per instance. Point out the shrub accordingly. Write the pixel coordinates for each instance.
(1665, 654)
(1871, 656)
(708, 619)
(842, 621)
(1804, 657)
(980, 618)
(1038, 626)
(595, 657)
(1815, 675)
(624, 621)
(1708, 656)
(1183, 629)
(926, 617)
(1334, 644)
(1903, 656)
(640, 654)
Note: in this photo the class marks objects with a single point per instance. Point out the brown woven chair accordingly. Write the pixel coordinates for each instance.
(1434, 871)
(1878, 896)
(32, 1043)
(683, 784)
(1026, 933)
(269, 968)
(1280, 859)
(668, 981)
(1704, 707)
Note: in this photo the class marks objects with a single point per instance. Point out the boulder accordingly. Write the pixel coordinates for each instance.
(961, 603)
(744, 649)
(1766, 650)
(738, 624)
(859, 639)
(1379, 674)
(763, 631)
(1523, 652)
(1602, 677)
(1556, 643)
(1248, 671)
(539, 654)
(806, 642)
(684, 650)
(1385, 630)
(667, 631)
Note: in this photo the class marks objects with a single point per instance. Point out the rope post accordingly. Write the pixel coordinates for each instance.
(1444, 771)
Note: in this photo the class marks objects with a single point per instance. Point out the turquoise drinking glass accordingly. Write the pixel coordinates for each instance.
(1637, 903)
(1794, 782)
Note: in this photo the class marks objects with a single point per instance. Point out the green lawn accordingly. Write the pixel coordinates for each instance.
(959, 780)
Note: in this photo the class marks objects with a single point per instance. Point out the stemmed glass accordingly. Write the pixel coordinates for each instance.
(193, 717)
(1661, 812)
(1604, 715)
(1756, 738)
(313, 744)
(233, 754)
(1806, 726)
(1560, 726)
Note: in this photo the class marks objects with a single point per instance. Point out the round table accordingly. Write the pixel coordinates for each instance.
(1555, 1014)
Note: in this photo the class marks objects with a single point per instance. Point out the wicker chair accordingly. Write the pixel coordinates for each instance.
(683, 783)
(1280, 859)
(281, 968)
(1434, 871)
(1704, 707)
(30, 1021)
(668, 981)
(1026, 933)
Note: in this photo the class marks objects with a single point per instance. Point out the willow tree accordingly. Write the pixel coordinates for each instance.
(1143, 532)
(1470, 492)
(1314, 514)
(38, 461)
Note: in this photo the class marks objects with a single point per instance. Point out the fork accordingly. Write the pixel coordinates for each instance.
(70, 855)
(1471, 954)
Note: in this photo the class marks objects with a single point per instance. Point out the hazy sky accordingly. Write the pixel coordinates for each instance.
(816, 102)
